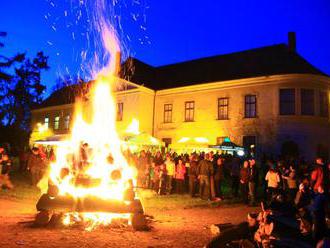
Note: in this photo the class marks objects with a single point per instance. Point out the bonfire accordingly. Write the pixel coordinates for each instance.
(91, 182)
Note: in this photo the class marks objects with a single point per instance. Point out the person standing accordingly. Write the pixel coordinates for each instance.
(273, 180)
(35, 165)
(157, 162)
(235, 175)
(205, 170)
(218, 178)
(317, 175)
(244, 182)
(179, 176)
(170, 168)
(143, 169)
(291, 183)
(162, 179)
(253, 181)
(318, 212)
(193, 175)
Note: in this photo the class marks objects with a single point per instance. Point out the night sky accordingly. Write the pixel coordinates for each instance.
(161, 32)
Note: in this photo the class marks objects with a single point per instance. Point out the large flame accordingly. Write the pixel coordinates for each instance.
(106, 166)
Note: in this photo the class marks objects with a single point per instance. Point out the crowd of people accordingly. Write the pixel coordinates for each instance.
(207, 174)
(306, 187)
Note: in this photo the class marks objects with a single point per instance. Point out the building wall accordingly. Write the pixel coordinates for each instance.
(136, 104)
(269, 127)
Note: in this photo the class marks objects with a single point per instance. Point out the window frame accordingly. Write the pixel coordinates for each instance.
(57, 122)
(189, 111)
(303, 103)
(247, 114)
(67, 119)
(286, 105)
(46, 123)
(223, 108)
(168, 111)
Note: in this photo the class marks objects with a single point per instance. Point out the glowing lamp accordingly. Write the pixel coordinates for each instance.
(240, 153)
(201, 140)
(183, 140)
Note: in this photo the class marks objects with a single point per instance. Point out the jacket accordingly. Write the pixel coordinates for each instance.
(35, 162)
(193, 170)
(317, 177)
(170, 167)
(273, 179)
(180, 171)
(205, 168)
(244, 175)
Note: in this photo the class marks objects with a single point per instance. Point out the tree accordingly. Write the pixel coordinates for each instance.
(23, 91)
(20, 90)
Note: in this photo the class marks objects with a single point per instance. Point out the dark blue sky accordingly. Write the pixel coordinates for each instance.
(165, 31)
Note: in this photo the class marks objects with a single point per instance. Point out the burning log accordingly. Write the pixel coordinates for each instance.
(88, 204)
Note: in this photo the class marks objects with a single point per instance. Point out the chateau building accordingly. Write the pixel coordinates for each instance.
(268, 98)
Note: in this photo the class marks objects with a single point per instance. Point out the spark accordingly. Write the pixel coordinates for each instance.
(65, 13)
(135, 16)
(53, 27)
(136, 2)
(49, 43)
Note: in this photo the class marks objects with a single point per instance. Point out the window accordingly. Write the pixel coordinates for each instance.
(167, 113)
(56, 122)
(120, 109)
(324, 104)
(223, 108)
(287, 101)
(307, 102)
(250, 106)
(67, 122)
(46, 122)
(189, 111)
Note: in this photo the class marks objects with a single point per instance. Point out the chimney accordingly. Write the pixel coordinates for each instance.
(292, 41)
(117, 62)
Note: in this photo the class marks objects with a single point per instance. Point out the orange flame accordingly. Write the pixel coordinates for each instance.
(106, 163)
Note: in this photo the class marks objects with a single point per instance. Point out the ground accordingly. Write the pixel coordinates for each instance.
(177, 222)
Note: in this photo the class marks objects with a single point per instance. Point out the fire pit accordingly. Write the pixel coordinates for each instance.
(60, 206)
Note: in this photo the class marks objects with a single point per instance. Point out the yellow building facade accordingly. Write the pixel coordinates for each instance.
(270, 99)
(268, 129)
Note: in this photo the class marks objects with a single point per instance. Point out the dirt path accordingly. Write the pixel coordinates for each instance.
(172, 228)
